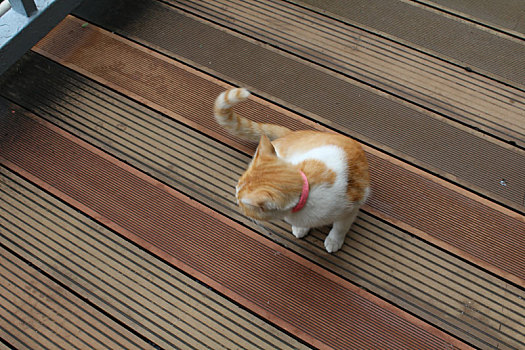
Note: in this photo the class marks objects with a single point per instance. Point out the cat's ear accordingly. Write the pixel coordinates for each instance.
(265, 147)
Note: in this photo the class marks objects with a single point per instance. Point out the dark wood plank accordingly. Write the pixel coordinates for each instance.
(505, 15)
(472, 100)
(38, 313)
(452, 39)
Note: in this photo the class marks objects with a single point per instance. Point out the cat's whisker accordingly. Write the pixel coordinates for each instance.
(261, 226)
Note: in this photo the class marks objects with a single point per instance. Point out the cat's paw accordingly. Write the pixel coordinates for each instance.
(300, 232)
(332, 245)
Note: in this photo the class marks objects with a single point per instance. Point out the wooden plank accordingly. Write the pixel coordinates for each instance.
(4, 345)
(449, 40)
(505, 15)
(472, 100)
(405, 271)
(155, 300)
(38, 313)
(481, 244)
(254, 271)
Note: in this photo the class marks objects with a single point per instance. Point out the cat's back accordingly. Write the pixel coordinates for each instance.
(338, 153)
(298, 142)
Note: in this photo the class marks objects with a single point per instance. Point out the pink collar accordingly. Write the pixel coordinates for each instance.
(304, 194)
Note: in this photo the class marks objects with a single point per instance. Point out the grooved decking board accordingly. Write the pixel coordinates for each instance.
(37, 313)
(439, 288)
(462, 42)
(316, 305)
(337, 101)
(439, 206)
(473, 100)
(162, 304)
(507, 15)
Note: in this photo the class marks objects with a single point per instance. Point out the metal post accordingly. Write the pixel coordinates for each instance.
(4, 7)
(25, 7)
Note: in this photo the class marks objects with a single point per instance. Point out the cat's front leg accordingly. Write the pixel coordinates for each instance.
(336, 237)
(300, 232)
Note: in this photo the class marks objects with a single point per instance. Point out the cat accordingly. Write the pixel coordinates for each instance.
(308, 178)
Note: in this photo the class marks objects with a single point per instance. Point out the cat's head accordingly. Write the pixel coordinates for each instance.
(270, 187)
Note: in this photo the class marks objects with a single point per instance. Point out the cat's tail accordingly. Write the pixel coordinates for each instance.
(240, 126)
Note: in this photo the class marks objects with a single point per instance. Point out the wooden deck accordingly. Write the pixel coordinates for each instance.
(118, 224)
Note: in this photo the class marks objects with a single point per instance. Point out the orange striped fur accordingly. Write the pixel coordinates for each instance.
(335, 166)
(238, 125)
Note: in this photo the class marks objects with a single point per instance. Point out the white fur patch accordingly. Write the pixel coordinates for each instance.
(326, 202)
(220, 102)
(246, 201)
(244, 93)
(367, 194)
(237, 189)
(332, 156)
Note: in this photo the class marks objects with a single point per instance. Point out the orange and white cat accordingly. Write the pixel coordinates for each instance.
(308, 178)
